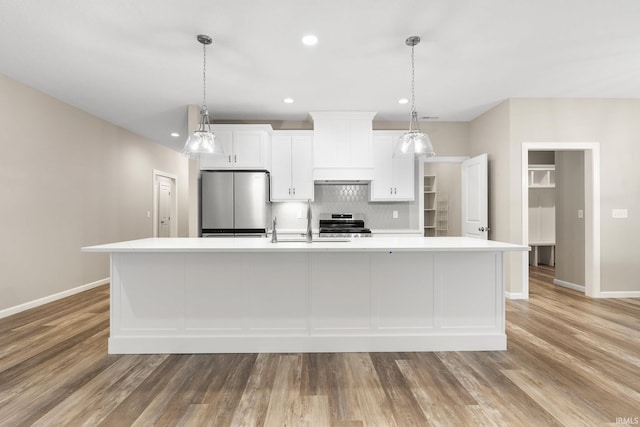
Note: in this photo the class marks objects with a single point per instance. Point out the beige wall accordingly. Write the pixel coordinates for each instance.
(490, 133)
(615, 125)
(69, 180)
(570, 231)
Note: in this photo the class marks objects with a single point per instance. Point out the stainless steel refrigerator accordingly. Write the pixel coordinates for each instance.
(234, 203)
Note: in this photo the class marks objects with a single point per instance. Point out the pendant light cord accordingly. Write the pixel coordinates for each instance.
(413, 91)
(204, 77)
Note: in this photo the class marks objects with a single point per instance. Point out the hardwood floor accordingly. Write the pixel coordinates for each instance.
(570, 361)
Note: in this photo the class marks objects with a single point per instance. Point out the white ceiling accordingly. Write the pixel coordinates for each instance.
(137, 63)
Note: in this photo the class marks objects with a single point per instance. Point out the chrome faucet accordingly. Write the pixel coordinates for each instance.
(309, 235)
(274, 233)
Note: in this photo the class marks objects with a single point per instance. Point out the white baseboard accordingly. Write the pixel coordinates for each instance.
(515, 295)
(568, 285)
(620, 294)
(41, 301)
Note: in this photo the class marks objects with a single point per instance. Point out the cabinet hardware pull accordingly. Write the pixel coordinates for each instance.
(235, 158)
(229, 158)
(294, 191)
(289, 190)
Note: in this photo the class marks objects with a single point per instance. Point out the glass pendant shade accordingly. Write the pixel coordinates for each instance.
(414, 141)
(202, 142)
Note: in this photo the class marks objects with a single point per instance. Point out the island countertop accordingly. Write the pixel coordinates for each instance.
(369, 244)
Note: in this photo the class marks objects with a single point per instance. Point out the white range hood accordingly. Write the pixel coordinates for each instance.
(342, 146)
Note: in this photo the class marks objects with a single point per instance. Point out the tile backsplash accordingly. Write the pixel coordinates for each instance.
(346, 198)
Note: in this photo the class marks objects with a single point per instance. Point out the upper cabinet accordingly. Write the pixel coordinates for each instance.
(292, 165)
(342, 145)
(393, 178)
(245, 146)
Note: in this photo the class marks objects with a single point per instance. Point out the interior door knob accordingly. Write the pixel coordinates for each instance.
(483, 229)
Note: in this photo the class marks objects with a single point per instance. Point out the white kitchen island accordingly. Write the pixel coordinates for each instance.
(225, 295)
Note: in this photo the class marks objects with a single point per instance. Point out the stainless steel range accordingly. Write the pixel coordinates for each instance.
(343, 225)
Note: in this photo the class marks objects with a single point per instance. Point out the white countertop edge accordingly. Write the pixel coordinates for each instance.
(372, 244)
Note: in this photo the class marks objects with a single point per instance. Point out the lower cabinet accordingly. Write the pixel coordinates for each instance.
(292, 166)
(393, 178)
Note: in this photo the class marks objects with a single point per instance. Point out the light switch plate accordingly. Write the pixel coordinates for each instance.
(619, 213)
(580, 213)
(395, 214)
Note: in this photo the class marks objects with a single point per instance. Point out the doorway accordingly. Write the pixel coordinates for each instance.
(591, 211)
(165, 204)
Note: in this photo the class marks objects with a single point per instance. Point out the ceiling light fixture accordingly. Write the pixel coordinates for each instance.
(413, 141)
(310, 40)
(288, 100)
(202, 141)
(403, 101)
(175, 134)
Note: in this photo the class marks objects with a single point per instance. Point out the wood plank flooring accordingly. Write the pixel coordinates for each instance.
(570, 361)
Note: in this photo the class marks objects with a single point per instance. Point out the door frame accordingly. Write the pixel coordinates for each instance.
(592, 209)
(173, 231)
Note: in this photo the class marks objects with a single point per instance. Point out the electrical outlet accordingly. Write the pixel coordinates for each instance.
(395, 214)
(619, 213)
(580, 213)
(148, 214)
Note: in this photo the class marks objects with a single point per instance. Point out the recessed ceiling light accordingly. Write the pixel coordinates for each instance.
(175, 134)
(403, 101)
(288, 100)
(310, 40)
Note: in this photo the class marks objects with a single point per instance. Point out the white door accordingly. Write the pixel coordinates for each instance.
(475, 198)
(302, 167)
(281, 168)
(247, 149)
(164, 209)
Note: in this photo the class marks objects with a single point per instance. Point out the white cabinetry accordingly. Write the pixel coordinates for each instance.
(342, 146)
(245, 146)
(542, 214)
(392, 176)
(292, 165)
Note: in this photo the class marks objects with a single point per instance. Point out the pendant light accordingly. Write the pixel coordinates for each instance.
(413, 141)
(202, 142)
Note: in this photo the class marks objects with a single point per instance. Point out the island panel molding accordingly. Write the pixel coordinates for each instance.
(189, 296)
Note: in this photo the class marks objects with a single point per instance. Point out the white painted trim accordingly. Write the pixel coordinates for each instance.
(516, 295)
(44, 300)
(620, 294)
(174, 209)
(446, 159)
(305, 344)
(568, 285)
(592, 208)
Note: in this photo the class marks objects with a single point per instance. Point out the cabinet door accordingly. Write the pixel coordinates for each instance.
(402, 168)
(281, 168)
(225, 138)
(302, 167)
(381, 185)
(248, 149)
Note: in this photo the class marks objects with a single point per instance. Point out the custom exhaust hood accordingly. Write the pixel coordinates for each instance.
(342, 147)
